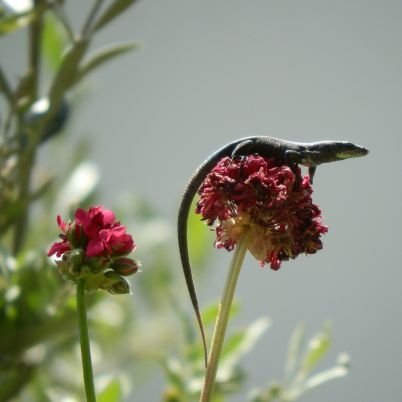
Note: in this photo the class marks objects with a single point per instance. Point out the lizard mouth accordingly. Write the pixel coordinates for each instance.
(353, 152)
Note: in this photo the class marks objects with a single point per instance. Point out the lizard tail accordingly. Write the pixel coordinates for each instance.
(204, 339)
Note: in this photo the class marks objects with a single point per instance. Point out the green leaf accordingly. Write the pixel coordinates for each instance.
(112, 392)
(54, 41)
(239, 344)
(325, 376)
(103, 56)
(67, 71)
(294, 350)
(210, 312)
(114, 10)
(174, 372)
(316, 350)
(63, 80)
(271, 394)
(12, 23)
(200, 239)
(7, 266)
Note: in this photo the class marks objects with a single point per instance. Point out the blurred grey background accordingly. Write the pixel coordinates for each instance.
(213, 71)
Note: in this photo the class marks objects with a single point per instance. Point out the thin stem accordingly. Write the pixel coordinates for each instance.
(84, 342)
(90, 19)
(34, 51)
(223, 316)
(60, 14)
(27, 157)
(25, 167)
(5, 87)
(8, 93)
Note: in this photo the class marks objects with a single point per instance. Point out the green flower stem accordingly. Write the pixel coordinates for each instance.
(223, 316)
(84, 342)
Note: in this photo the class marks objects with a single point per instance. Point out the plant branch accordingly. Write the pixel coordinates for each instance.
(91, 17)
(9, 95)
(5, 87)
(27, 156)
(59, 13)
(34, 50)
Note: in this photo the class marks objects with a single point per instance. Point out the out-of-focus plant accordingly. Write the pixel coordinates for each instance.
(32, 114)
(36, 308)
(299, 366)
(185, 374)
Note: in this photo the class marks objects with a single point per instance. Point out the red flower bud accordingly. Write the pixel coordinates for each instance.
(125, 266)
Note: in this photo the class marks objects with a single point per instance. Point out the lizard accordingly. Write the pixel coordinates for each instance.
(309, 154)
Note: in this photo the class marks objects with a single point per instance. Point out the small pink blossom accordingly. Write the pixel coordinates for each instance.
(61, 247)
(110, 241)
(94, 240)
(95, 219)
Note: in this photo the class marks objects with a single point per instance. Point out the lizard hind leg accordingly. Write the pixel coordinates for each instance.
(243, 148)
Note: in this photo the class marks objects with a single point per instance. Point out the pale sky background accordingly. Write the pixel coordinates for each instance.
(213, 71)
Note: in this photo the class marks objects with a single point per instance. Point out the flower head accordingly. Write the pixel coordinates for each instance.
(95, 245)
(272, 200)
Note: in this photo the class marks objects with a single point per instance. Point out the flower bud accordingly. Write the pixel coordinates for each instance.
(125, 266)
(115, 284)
(75, 236)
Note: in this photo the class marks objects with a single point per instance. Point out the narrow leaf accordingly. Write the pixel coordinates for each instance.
(66, 73)
(239, 344)
(200, 239)
(103, 56)
(294, 350)
(317, 349)
(174, 373)
(112, 392)
(5, 87)
(210, 312)
(115, 9)
(325, 376)
(54, 41)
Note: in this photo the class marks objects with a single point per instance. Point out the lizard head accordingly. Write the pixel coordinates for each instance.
(331, 151)
(348, 150)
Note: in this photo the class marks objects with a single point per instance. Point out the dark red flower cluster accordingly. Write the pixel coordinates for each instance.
(273, 201)
(95, 245)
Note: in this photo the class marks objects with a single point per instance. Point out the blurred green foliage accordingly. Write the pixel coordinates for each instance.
(301, 360)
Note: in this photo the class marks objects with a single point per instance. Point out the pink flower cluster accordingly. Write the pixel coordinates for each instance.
(272, 200)
(94, 240)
